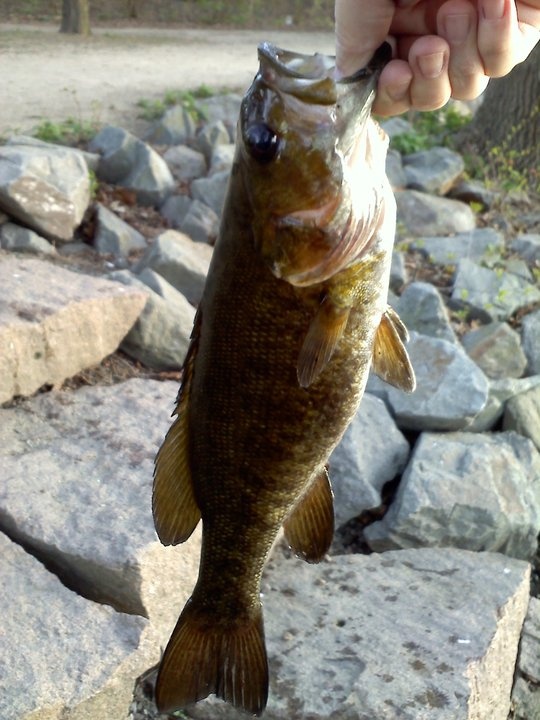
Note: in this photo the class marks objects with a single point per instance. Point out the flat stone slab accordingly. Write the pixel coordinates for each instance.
(410, 635)
(58, 649)
(55, 322)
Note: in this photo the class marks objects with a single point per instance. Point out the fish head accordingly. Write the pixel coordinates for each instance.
(311, 156)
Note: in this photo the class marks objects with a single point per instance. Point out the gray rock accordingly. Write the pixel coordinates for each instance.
(496, 349)
(526, 691)
(182, 262)
(224, 108)
(398, 271)
(175, 127)
(175, 208)
(212, 190)
(200, 223)
(421, 214)
(478, 492)
(114, 236)
(372, 452)
(522, 414)
(131, 163)
(470, 191)
(435, 170)
(396, 126)
(422, 309)
(516, 266)
(160, 337)
(530, 332)
(211, 136)
(45, 187)
(527, 246)
(410, 635)
(491, 295)
(185, 163)
(57, 648)
(54, 323)
(450, 388)
(21, 239)
(222, 158)
(394, 170)
(499, 392)
(479, 244)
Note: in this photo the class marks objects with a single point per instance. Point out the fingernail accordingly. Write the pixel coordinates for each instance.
(431, 65)
(457, 28)
(493, 9)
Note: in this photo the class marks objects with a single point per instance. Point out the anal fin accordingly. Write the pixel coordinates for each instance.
(390, 359)
(205, 656)
(309, 528)
(323, 335)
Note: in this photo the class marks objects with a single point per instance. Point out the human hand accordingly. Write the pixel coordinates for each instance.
(443, 48)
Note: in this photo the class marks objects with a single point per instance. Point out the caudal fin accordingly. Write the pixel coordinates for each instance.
(204, 656)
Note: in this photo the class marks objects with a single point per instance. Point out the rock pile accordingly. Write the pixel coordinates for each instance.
(426, 626)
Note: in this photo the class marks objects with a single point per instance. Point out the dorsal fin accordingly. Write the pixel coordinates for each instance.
(174, 507)
(309, 528)
(390, 359)
(323, 335)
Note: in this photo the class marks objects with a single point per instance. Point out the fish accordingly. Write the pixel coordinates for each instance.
(293, 316)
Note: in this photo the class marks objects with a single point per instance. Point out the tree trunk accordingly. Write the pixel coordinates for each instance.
(133, 11)
(75, 17)
(506, 124)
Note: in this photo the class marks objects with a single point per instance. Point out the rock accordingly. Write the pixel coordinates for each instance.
(175, 208)
(478, 244)
(478, 492)
(131, 163)
(54, 323)
(527, 246)
(530, 332)
(15, 237)
(470, 191)
(394, 170)
(409, 634)
(200, 223)
(175, 127)
(398, 271)
(45, 187)
(421, 214)
(526, 691)
(450, 389)
(185, 163)
(212, 190)
(522, 414)
(372, 452)
(499, 392)
(516, 266)
(496, 349)
(58, 649)
(114, 236)
(160, 337)
(211, 136)
(435, 170)
(182, 262)
(491, 295)
(396, 126)
(422, 309)
(222, 158)
(224, 108)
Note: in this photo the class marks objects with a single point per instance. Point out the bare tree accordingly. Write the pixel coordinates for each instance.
(75, 17)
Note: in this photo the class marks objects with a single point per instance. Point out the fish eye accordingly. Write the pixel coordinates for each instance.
(262, 142)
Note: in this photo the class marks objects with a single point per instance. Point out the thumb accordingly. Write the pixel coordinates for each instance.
(361, 26)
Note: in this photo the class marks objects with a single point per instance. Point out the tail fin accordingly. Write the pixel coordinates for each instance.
(204, 656)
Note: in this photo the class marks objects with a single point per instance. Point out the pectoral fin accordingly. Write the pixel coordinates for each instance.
(310, 526)
(174, 507)
(390, 359)
(321, 340)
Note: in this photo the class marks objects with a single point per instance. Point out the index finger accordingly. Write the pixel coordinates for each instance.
(361, 26)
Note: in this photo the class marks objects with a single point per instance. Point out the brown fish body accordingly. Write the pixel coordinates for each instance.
(293, 311)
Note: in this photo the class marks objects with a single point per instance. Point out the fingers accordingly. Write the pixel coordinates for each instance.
(360, 29)
(497, 36)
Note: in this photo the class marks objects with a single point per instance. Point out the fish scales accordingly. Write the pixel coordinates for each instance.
(293, 313)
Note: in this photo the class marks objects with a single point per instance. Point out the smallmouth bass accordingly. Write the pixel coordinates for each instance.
(293, 316)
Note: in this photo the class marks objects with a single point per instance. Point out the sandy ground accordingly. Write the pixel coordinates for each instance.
(47, 75)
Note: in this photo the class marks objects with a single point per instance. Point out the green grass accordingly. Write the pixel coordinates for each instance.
(66, 132)
(430, 129)
(154, 109)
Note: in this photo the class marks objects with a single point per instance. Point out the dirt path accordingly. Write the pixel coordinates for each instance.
(46, 75)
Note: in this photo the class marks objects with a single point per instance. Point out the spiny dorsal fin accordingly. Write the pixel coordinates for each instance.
(174, 507)
(321, 340)
(309, 529)
(390, 359)
(206, 656)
